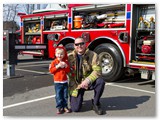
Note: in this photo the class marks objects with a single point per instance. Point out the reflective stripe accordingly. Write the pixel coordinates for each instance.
(74, 93)
(92, 77)
(96, 68)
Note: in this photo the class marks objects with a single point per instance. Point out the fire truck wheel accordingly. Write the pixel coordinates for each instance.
(111, 61)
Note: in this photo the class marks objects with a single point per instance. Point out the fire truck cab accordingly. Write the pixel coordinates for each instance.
(122, 34)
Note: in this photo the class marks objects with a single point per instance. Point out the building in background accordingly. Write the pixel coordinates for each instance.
(49, 7)
(11, 26)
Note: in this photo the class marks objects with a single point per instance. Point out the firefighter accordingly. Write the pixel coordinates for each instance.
(85, 75)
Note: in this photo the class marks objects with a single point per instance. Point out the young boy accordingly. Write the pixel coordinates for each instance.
(59, 68)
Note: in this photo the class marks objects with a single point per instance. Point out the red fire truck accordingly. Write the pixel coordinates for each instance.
(122, 34)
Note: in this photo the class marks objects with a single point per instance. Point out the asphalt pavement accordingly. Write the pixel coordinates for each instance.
(31, 93)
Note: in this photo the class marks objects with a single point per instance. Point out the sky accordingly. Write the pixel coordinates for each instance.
(22, 8)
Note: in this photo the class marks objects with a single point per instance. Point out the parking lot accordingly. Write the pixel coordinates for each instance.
(31, 93)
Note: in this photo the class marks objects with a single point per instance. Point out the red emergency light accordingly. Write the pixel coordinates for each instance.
(4, 37)
(19, 14)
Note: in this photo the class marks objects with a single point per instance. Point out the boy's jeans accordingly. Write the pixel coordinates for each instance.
(61, 90)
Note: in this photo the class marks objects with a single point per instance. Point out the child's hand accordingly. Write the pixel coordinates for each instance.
(62, 65)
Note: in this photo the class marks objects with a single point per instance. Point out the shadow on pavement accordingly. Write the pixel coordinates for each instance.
(150, 82)
(138, 80)
(117, 103)
(123, 102)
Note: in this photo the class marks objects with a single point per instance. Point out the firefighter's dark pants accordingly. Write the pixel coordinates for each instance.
(97, 86)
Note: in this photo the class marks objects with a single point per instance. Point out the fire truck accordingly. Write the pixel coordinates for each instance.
(123, 35)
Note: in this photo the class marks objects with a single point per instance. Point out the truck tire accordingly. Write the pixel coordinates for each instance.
(110, 60)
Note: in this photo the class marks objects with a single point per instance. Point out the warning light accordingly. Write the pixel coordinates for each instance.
(4, 38)
(143, 67)
(19, 14)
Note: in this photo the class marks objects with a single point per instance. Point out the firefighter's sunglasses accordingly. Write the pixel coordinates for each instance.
(81, 44)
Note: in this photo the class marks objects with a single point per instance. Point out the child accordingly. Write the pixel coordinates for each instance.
(59, 68)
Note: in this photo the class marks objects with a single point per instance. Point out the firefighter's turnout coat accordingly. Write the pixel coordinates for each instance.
(90, 69)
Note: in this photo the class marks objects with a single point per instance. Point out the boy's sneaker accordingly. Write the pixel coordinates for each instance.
(67, 110)
(59, 111)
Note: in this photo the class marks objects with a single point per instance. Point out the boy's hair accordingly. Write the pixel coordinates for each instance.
(59, 49)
